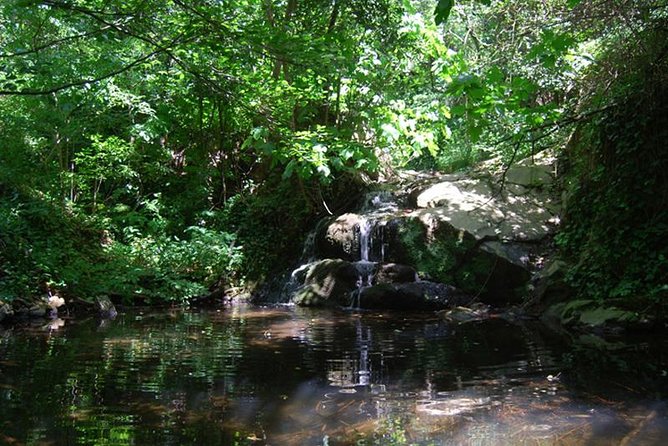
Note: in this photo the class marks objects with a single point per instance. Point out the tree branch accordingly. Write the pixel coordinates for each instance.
(53, 43)
(30, 92)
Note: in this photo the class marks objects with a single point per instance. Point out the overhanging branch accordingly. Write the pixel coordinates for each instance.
(81, 82)
(53, 43)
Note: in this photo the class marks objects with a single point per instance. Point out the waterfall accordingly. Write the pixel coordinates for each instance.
(365, 270)
(371, 238)
(365, 240)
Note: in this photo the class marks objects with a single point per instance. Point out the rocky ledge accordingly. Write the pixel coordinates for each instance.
(484, 233)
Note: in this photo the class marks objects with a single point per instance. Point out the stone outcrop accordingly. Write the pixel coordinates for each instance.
(370, 285)
(6, 311)
(484, 233)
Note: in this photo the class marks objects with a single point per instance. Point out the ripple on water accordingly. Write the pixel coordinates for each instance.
(293, 377)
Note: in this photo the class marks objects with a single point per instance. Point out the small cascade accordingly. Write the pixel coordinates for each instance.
(379, 201)
(381, 228)
(376, 209)
(365, 271)
(371, 239)
(355, 261)
(366, 227)
(308, 253)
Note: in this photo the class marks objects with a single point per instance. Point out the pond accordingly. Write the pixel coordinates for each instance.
(245, 375)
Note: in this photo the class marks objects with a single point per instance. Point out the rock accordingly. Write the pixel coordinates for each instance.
(465, 314)
(589, 314)
(418, 296)
(530, 175)
(328, 282)
(339, 238)
(549, 285)
(6, 311)
(442, 253)
(38, 311)
(308, 296)
(343, 237)
(106, 308)
(395, 273)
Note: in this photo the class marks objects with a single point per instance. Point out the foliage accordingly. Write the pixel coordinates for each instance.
(140, 138)
(616, 218)
(46, 249)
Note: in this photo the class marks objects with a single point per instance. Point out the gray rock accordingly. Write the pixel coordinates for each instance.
(328, 282)
(395, 273)
(461, 314)
(549, 285)
(37, 311)
(106, 307)
(339, 238)
(415, 296)
(6, 311)
(530, 175)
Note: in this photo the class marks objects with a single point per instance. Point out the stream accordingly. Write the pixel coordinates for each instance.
(284, 375)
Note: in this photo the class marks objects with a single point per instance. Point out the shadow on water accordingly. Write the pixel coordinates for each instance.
(287, 376)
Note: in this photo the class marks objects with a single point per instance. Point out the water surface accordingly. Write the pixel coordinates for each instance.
(287, 376)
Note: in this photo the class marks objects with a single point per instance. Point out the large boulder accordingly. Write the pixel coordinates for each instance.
(338, 238)
(328, 282)
(549, 286)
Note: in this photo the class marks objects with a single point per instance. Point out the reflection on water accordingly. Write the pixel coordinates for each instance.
(285, 376)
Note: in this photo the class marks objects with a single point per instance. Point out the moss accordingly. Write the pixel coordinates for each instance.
(455, 257)
(308, 297)
(446, 255)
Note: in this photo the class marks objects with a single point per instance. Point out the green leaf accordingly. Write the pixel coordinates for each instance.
(287, 173)
(442, 11)
(495, 75)
(474, 132)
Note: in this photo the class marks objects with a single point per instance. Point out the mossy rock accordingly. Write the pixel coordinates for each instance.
(327, 282)
(308, 297)
(456, 257)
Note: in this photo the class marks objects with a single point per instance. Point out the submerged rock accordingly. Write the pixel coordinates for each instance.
(106, 308)
(466, 314)
(418, 296)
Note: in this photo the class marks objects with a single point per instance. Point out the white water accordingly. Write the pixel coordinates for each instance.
(365, 239)
(365, 271)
